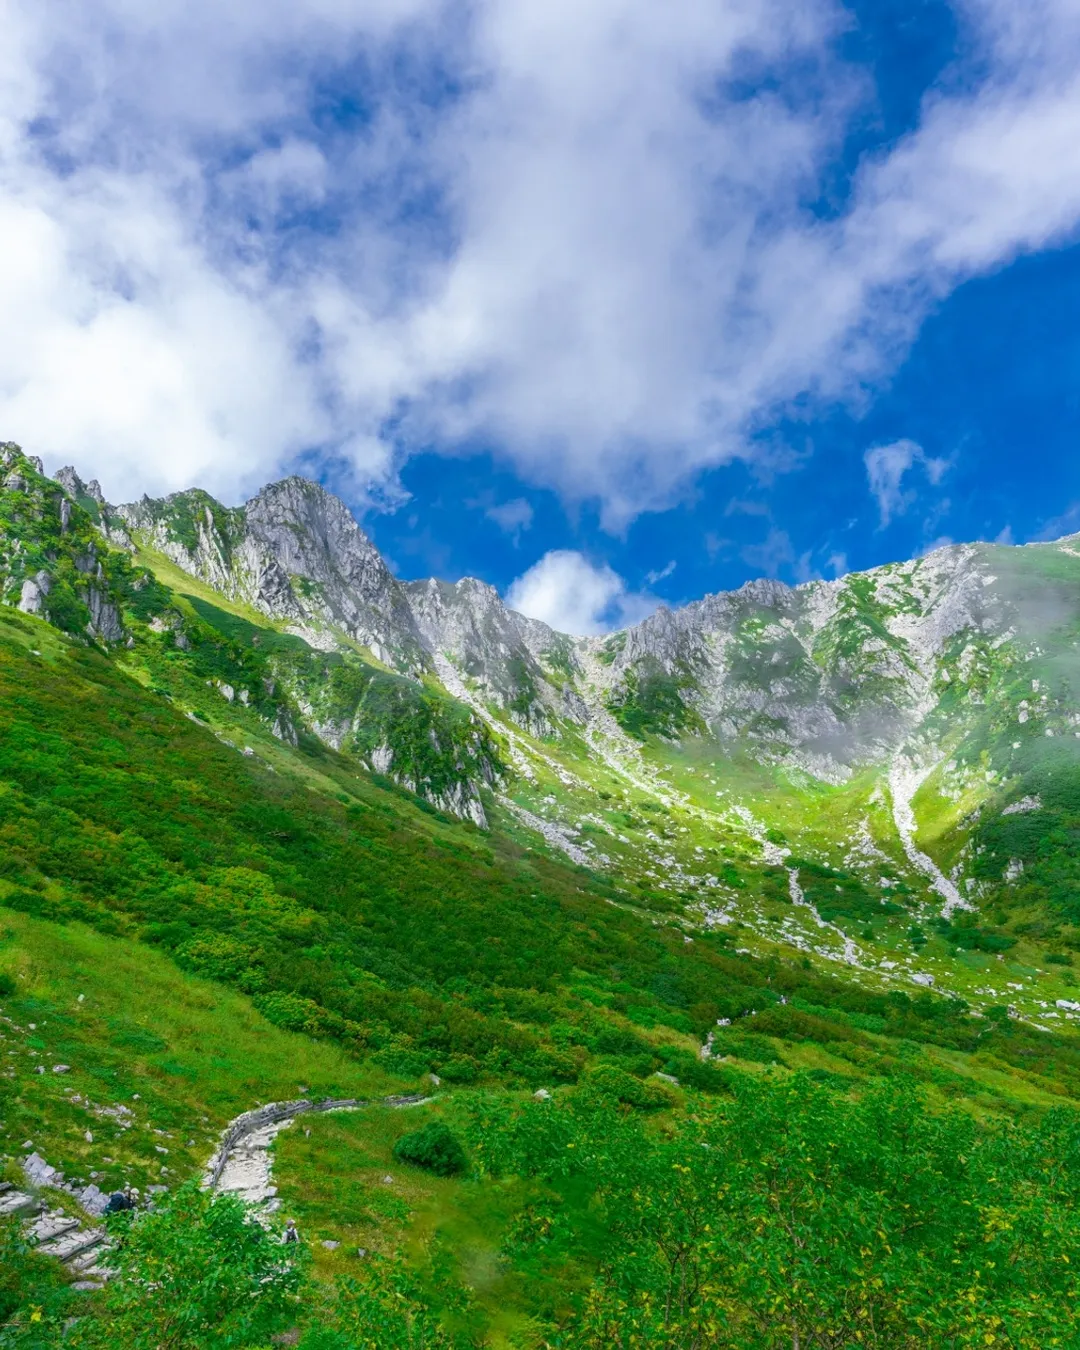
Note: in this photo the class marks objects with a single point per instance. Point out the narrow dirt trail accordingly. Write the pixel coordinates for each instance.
(242, 1163)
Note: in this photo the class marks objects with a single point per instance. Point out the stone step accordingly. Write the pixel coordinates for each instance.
(87, 1286)
(98, 1275)
(89, 1259)
(18, 1202)
(50, 1225)
(73, 1244)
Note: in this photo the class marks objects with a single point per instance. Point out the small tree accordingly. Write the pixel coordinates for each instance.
(435, 1148)
(196, 1273)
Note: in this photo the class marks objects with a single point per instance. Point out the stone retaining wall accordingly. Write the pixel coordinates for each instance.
(252, 1121)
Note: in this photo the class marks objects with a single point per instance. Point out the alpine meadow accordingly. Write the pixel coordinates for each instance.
(709, 983)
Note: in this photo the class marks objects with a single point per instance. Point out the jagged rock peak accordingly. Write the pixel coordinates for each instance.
(11, 453)
(294, 552)
(74, 486)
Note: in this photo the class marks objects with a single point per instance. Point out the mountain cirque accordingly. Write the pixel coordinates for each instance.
(862, 769)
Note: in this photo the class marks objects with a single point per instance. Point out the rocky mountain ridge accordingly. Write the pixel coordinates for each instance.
(832, 673)
(795, 761)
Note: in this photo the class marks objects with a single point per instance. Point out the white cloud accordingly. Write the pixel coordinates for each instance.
(619, 283)
(512, 517)
(886, 468)
(942, 541)
(661, 574)
(571, 594)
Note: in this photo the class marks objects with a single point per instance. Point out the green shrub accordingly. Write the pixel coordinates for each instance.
(615, 1084)
(435, 1148)
(403, 1062)
(460, 1069)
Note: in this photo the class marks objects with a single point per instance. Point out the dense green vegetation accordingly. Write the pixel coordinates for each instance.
(783, 1214)
(433, 1147)
(347, 912)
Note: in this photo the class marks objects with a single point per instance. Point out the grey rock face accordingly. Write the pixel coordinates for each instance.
(295, 553)
(104, 616)
(302, 537)
(515, 662)
(34, 591)
(827, 675)
(90, 497)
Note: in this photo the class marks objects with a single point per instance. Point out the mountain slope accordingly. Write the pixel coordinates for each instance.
(864, 770)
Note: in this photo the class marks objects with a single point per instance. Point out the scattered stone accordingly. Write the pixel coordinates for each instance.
(39, 1173)
(667, 1077)
(388, 1181)
(542, 1095)
(361, 1252)
(17, 1202)
(70, 1245)
(330, 1244)
(40, 1068)
(28, 1143)
(93, 1200)
(88, 1136)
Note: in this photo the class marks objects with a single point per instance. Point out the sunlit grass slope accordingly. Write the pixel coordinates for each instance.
(180, 1054)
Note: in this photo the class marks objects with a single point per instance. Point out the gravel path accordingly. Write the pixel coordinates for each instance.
(242, 1163)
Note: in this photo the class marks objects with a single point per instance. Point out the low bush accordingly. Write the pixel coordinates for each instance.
(435, 1148)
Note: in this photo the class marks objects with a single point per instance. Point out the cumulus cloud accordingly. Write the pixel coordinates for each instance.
(886, 468)
(234, 236)
(573, 595)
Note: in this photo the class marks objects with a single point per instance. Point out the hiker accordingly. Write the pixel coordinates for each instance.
(290, 1234)
(119, 1201)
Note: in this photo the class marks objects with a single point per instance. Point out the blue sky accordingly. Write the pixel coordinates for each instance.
(608, 306)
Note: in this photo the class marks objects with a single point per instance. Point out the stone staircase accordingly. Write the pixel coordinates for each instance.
(241, 1165)
(83, 1250)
